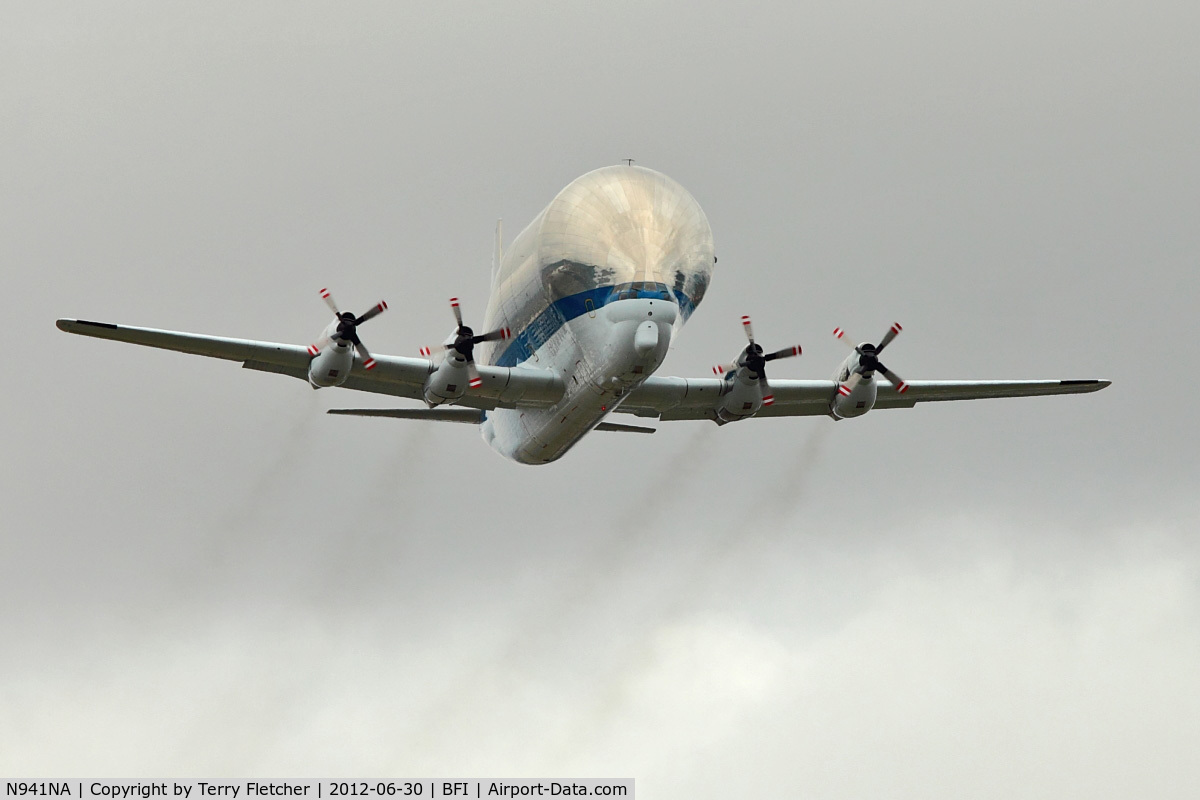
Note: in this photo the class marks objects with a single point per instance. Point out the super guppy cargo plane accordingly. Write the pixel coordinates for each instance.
(584, 305)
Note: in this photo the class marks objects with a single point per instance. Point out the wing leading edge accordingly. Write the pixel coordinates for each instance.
(696, 398)
(503, 387)
(665, 398)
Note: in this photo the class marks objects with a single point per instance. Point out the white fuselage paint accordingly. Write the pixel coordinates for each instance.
(594, 289)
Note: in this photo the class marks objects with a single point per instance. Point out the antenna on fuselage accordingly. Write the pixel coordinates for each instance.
(628, 161)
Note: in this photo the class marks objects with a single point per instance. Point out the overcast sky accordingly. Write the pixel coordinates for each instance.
(203, 575)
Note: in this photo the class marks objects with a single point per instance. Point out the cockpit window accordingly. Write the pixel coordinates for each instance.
(636, 289)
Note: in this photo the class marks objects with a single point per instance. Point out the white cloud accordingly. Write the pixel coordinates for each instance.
(1013, 666)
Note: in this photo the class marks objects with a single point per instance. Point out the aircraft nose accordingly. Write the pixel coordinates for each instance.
(645, 339)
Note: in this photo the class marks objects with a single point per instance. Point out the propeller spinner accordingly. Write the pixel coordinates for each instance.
(754, 360)
(464, 343)
(347, 327)
(868, 361)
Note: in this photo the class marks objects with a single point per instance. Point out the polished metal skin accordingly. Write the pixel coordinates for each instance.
(612, 227)
(619, 248)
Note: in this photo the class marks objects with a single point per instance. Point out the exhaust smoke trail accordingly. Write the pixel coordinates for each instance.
(555, 618)
(779, 502)
(244, 524)
(789, 493)
(648, 506)
(358, 555)
(283, 467)
(595, 573)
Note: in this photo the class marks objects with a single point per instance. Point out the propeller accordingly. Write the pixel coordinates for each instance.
(754, 359)
(347, 329)
(868, 360)
(464, 343)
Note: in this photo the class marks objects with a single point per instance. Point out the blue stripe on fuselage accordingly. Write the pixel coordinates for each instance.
(565, 309)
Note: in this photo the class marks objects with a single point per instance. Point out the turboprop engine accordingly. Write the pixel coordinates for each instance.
(746, 389)
(857, 389)
(450, 380)
(333, 353)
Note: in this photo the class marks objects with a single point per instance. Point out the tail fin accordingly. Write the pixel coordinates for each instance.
(498, 250)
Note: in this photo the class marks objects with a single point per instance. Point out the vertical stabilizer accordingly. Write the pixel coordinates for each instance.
(498, 250)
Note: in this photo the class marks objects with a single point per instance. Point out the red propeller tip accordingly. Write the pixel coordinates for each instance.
(382, 305)
(453, 301)
(718, 370)
(324, 293)
(745, 319)
(902, 388)
(425, 351)
(768, 400)
(476, 383)
(896, 327)
(369, 363)
(838, 333)
(843, 390)
(313, 350)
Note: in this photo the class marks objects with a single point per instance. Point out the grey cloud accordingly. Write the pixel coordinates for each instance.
(201, 571)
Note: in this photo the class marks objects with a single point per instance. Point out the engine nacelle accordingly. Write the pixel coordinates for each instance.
(847, 402)
(331, 365)
(857, 402)
(742, 397)
(448, 382)
(332, 359)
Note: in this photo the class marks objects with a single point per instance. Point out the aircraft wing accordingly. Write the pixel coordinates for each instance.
(696, 398)
(397, 376)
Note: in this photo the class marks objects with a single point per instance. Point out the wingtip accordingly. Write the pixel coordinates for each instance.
(1088, 385)
(81, 325)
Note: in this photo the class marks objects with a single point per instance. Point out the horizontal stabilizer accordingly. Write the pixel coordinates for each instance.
(467, 415)
(618, 427)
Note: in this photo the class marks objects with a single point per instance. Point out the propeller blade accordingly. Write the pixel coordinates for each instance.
(361, 349)
(457, 311)
(841, 336)
(844, 389)
(328, 298)
(721, 369)
(748, 328)
(768, 398)
(374, 312)
(897, 381)
(437, 348)
(473, 373)
(494, 336)
(786, 352)
(887, 337)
